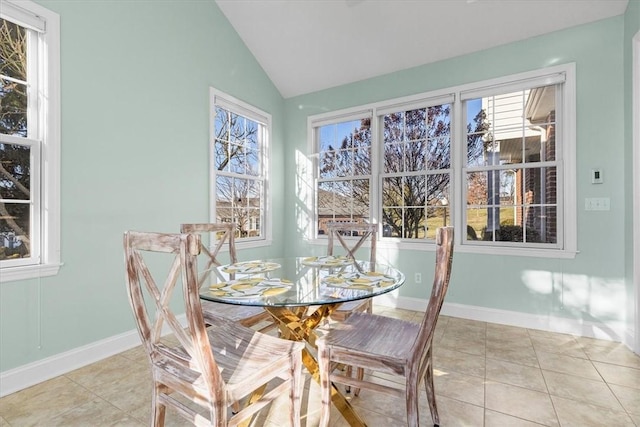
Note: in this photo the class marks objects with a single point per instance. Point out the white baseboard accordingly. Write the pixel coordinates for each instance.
(33, 373)
(615, 331)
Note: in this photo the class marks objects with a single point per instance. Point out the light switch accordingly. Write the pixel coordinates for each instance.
(596, 176)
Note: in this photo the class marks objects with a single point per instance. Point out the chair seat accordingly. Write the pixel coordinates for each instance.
(389, 338)
(231, 343)
(245, 315)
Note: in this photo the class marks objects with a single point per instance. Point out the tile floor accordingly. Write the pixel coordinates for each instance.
(485, 375)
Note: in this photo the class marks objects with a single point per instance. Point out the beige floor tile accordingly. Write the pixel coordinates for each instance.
(557, 343)
(467, 345)
(497, 419)
(515, 374)
(628, 397)
(496, 330)
(524, 356)
(521, 403)
(620, 375)
(100, 412)
(137, 354)
(465, 388)
(579, 414)
(3, 422)
(567, 365)
(36, 404)
(445, 360)
(581, 389)
(104, 372)
(619, 355)
(379, 403)
(460, 323)
(505, 342)
(130, 392)
(454, 413)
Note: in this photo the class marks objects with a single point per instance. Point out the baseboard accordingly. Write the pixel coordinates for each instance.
(33, 373)
(615, 331)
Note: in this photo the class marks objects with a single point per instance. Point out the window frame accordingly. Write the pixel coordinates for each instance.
(220, 99)
(565, 152)
(44, 111)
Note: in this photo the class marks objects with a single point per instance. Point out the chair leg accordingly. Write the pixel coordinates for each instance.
(324, 365)
(413, 416)
(360, 376)
(158, 410)
(296, 390)
(431, 395)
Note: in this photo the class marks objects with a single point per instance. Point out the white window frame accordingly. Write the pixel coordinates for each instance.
(230, 103)
(44, 118)
(566, 154)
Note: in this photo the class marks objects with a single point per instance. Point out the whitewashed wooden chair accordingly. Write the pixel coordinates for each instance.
(390, 346)
(364, 232)
(224, 234)
(210, 368)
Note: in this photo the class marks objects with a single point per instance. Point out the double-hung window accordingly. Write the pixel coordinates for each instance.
(29, 141)
(344, 169)
(496, 159)
(416, 168)
(239, 144)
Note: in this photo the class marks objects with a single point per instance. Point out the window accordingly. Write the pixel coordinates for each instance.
(495, 159)
(344, 173)
(29, 141)
(239, 144)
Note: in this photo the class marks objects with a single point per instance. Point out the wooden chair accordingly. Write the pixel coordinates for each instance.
(388, 345)
(221, 234)
(364, 232)
(210, 368)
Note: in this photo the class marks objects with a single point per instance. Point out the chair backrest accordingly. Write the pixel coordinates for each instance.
(444, 260)
(150, 290)
(221, 233)
(364, 231)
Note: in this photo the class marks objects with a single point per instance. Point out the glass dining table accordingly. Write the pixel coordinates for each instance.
(300, 293)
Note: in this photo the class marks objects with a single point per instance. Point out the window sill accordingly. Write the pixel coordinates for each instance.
(12, 274)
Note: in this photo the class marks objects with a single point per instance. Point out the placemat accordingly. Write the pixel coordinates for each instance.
(327, 261)
(250, 267)
(252, 287)
(358, 280)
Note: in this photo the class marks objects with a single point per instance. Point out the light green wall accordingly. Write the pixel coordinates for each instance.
(631, 28)
(135, 88)
(589, 287)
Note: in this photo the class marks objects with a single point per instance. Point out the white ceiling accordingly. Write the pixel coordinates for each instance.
(309, 45)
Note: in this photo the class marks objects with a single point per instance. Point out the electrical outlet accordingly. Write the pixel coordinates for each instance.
(418, 278)
(597, 204)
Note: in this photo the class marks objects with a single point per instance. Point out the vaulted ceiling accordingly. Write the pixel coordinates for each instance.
(310, 45)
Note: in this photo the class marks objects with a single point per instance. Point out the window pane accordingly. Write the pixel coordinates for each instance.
(362, 161)
(392, 191)
(15, 230)
(392, 222)
(393, 127)
(436, 217)
(416, 126)
(221, 155)
(13, 76)
(394, 157)
(237, 159)
(15, 179)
